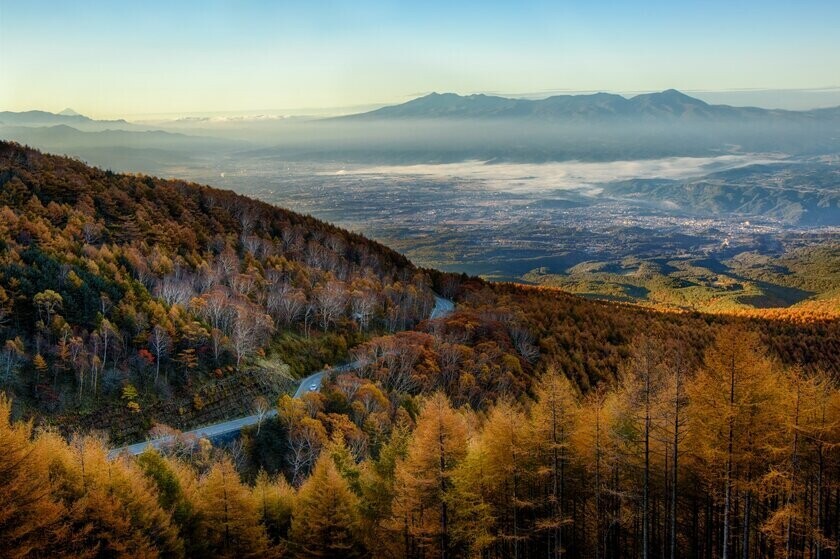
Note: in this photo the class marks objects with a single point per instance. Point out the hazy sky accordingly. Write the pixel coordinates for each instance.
(114, 58)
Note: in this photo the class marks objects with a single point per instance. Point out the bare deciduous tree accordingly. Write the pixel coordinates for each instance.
(174, 290)
(363, 303)
(332, 300)
(160, 344)
(261, 409)
(228, 262)
(285, 303)
(250, 328)
(215, 308)
(523, 341)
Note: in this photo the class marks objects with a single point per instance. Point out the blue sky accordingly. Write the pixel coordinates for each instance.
(153, 57)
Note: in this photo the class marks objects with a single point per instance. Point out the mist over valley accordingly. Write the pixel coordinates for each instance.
(512, 189)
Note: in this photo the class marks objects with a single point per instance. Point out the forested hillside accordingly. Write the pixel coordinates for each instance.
(590, 339)
(119, 287)
(673, 460)
(528, 423)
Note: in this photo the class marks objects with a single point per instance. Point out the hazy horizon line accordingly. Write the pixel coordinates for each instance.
(832, 94)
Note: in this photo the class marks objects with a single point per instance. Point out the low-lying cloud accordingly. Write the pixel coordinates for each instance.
(570, 175)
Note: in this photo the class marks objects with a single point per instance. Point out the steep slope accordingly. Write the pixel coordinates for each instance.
(117, 285)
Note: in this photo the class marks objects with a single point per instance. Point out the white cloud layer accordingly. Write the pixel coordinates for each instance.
(570, 175)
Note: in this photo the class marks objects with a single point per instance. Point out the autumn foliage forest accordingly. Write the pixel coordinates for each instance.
(528, 423)
(108, 280)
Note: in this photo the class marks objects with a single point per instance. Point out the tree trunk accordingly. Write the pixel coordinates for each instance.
(646, 486)
(820, 505)
(745, 554)
(727, 499)
(788, 543)
(444, 521)
(557, 485)
(515, 487)
(665, 528)
(837, 524)
(598, 484)
(618, 534)
(675, 466)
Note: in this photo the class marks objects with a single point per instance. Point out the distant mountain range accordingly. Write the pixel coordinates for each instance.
(446, 127)
(113, 144)
(666, 105)
(67, 117)
(65, 135)
(439, 128)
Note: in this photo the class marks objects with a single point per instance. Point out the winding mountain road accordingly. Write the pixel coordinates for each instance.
(442, 308)
(312, 383)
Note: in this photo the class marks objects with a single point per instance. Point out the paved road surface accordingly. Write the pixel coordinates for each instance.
(312, 383)
(210, 432)
(442, 307)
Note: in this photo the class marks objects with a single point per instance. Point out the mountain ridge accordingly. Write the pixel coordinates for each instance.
(67, 117)
(667, 104)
